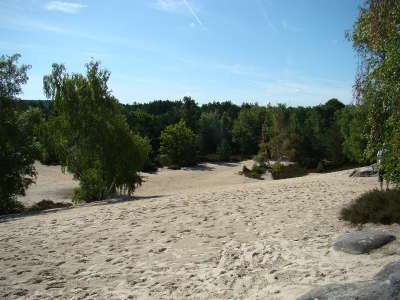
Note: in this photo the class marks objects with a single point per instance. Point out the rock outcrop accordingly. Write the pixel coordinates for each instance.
(361, 242)
(367, 171)
(384, 286)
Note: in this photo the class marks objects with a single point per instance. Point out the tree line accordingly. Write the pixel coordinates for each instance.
(105, 144)
(183, 133)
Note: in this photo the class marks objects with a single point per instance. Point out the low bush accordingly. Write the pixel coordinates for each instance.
(326, 165)
(224, 151)
(375, 206)
(15, 207)
(178, 146)
(47, 204)
(280, 171)
(11, 206)
(256, 171)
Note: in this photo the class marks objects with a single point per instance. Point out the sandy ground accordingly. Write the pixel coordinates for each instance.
(202, 234)
(51, 184)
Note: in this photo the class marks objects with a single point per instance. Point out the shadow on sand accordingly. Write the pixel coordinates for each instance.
(199, 167)
(12, 217)
(204, 167)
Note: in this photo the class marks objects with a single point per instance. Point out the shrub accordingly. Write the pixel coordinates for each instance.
(47, 204)
(320, 167)
(280, 171)
(11, 206)
(178, 146)
(224, 151)
(256, 171)
(92, 138)
(374, 206)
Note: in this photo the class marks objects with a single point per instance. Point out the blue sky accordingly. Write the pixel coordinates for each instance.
(277, 51)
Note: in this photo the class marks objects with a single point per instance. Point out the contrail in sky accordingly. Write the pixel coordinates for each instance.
(193, 13)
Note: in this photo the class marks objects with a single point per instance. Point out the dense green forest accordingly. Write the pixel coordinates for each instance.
(182, 133)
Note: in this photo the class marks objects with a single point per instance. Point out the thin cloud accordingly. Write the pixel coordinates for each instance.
(65, 7)
(178, 6)
(195, 16)
(169, 5)
(27, 24)
(265, 16)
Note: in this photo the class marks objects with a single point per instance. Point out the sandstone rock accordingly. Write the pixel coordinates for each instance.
(387, 270)
(367, 171)
(386, 285)
(361, 242)
(363, 290)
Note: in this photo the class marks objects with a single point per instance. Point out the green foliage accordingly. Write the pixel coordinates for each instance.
(230, 110)
(280, 171)
(376, 38)
(375, 206)
(320, 167)
(190, 113)
(178, 146)
(92, 138)
(224, 151)
(12, 76)
(351, 122)
(46, 204)
(48, 148)
(256, 171)
(304, 135)
(276, 133)
(18, 147)
(246, 132)
(209, 132)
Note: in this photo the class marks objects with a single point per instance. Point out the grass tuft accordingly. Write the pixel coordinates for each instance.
(46, 204)
(280, 171)
(381, 207)
(256, 172)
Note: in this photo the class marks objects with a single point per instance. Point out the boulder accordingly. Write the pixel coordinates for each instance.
(363, 290)
(386, 285)
(361, 242)
(387, 270)
(368, 171)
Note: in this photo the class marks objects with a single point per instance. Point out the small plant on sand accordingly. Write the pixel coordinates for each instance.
(256, 172)
(375, 206)
(178, 146)
(47, 204)
(280, 171)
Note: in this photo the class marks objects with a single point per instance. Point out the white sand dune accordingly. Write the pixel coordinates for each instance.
(203, 234)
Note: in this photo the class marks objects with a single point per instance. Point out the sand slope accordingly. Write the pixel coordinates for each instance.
(51, 184)
(248, 239)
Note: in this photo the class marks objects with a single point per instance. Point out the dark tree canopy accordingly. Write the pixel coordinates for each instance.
(18, 147)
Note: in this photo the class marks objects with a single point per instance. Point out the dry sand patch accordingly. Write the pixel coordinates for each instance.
(256, 239)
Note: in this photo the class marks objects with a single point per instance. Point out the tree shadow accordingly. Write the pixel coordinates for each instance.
(199, 167)
(116, 200)
(226, 164)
